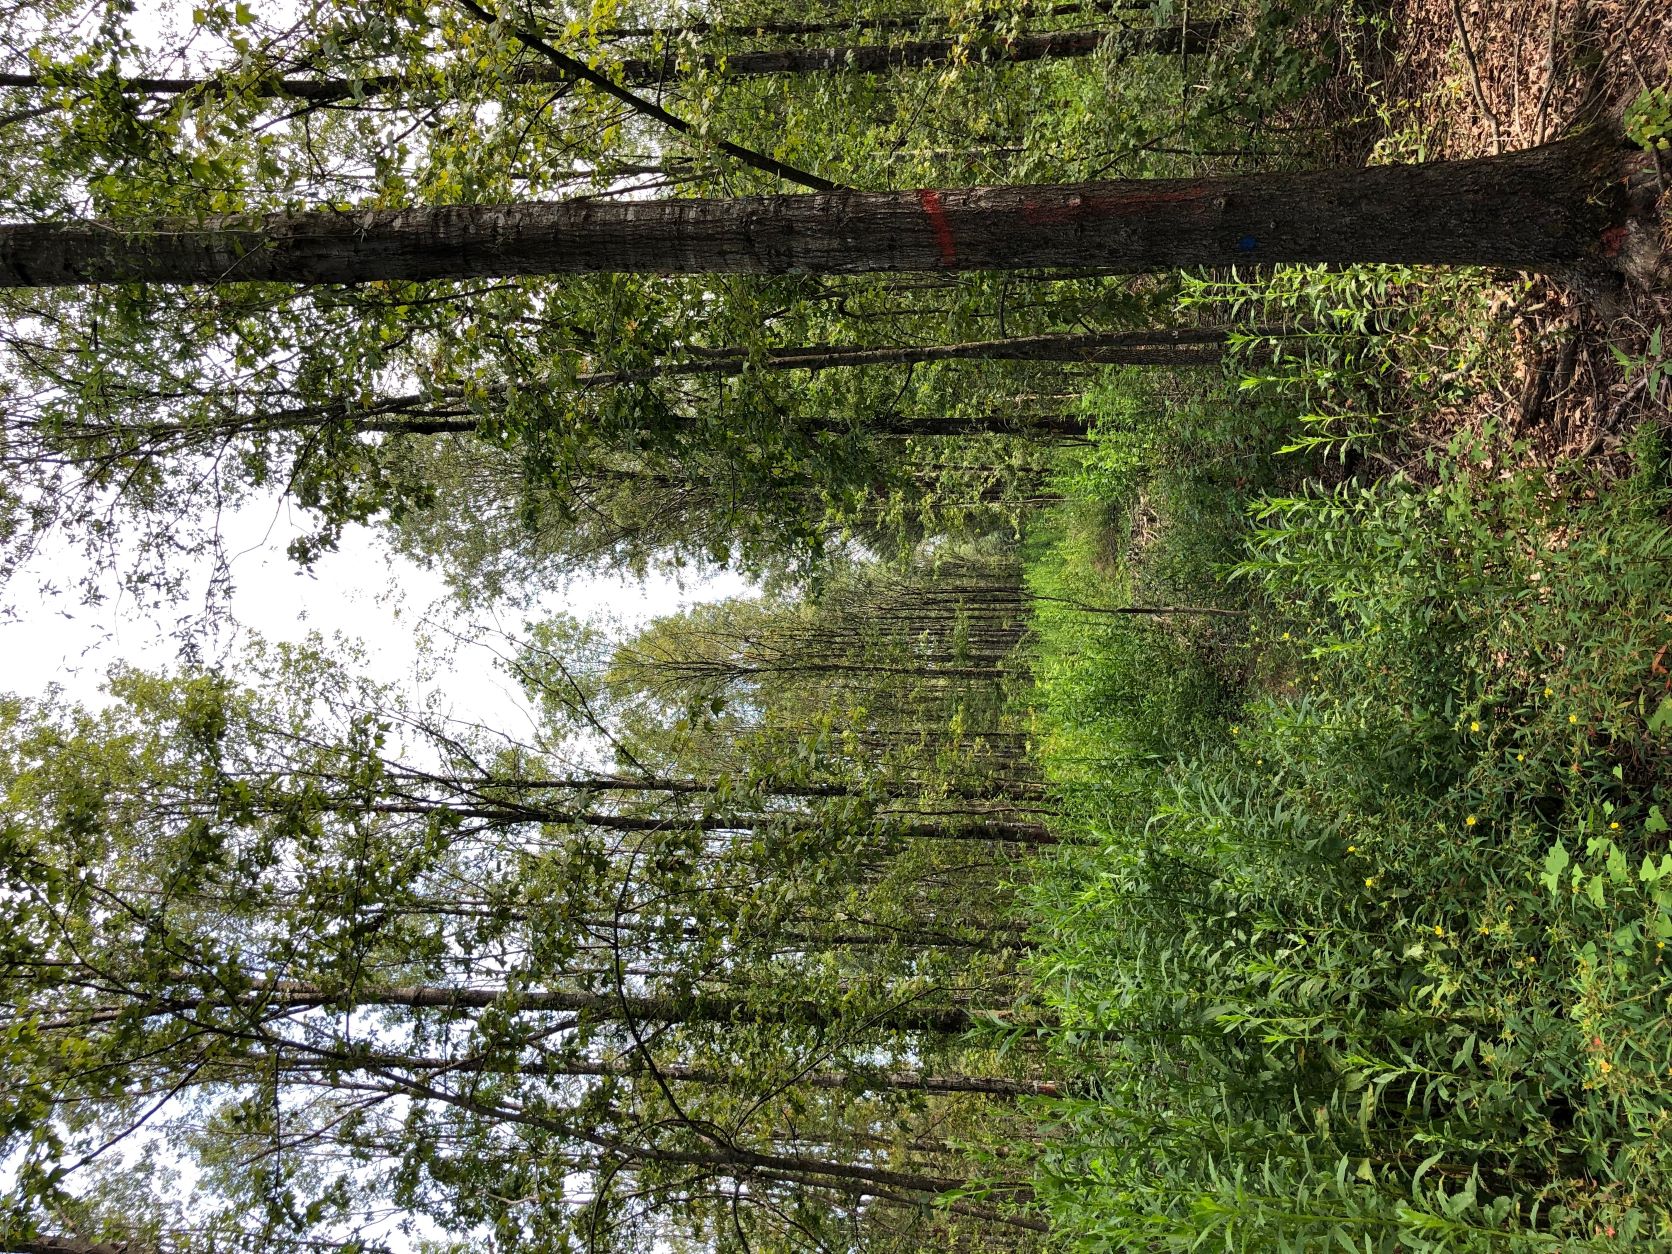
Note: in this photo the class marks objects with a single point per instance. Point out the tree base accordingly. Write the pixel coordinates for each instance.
(1636, 247)
(1632, 252)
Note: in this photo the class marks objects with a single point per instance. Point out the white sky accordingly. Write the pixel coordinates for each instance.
(363, 592)
(411, 631)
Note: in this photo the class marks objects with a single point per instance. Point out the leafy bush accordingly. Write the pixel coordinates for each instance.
(1383, 965)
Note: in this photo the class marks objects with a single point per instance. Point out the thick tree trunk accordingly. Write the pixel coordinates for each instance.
(1547, 208)
(1194, 40)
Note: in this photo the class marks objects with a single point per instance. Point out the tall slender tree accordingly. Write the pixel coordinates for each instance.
(1560, 206)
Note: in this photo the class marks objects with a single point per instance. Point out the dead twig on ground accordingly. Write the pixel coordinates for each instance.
(1541, 115)
(1474, 76)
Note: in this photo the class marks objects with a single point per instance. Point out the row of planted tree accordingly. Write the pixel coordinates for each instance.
(724, 943)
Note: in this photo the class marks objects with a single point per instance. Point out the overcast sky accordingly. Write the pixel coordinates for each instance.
(363, 592)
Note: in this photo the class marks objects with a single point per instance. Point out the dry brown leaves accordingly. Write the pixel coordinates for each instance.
(1481, 76)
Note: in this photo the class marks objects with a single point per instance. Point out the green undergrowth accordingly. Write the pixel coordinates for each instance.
(1362, 944)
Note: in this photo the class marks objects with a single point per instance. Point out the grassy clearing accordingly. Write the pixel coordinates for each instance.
(1375, 890)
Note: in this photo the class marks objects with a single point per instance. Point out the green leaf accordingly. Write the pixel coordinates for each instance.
(1555, 862)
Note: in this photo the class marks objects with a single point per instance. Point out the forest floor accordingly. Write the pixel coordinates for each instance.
(1474, 77)
(1367, 860)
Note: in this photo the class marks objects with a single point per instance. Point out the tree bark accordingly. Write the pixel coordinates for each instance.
(511, 812)
(859, 1081)
(1194, 40)
(1059, 426)
(903, 21)
(592, 1007)
(482, 786)
(1548, 208)
(428, 414)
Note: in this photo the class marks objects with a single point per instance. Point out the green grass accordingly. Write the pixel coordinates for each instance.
(1373, 885)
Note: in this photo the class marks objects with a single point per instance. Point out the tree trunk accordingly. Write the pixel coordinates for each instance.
(1197, 39)
(428, 414)
(902, 21)
(511, 812)
(859, 1081)
(1058, 426)
(594, 1007)
(1194, 40)
(1546, 208)
(482, 785)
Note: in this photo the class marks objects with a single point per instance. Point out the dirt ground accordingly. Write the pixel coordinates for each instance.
(1483, 76)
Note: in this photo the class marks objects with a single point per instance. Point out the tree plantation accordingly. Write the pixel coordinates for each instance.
(1054, 626)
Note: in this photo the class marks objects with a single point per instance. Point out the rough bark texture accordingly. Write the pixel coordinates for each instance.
(1547, 208)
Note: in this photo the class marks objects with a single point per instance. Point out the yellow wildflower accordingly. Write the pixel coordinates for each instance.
(1573, 718)
(1438, 930)
(1474, 726)
(1470, 821)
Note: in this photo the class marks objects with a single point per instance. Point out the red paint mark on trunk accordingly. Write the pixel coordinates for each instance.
(1614, 239)
(932, 206)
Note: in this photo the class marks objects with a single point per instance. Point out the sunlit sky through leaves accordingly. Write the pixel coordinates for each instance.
(400, 613)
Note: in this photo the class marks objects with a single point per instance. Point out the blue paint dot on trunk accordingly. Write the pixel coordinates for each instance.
(1247, 244)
